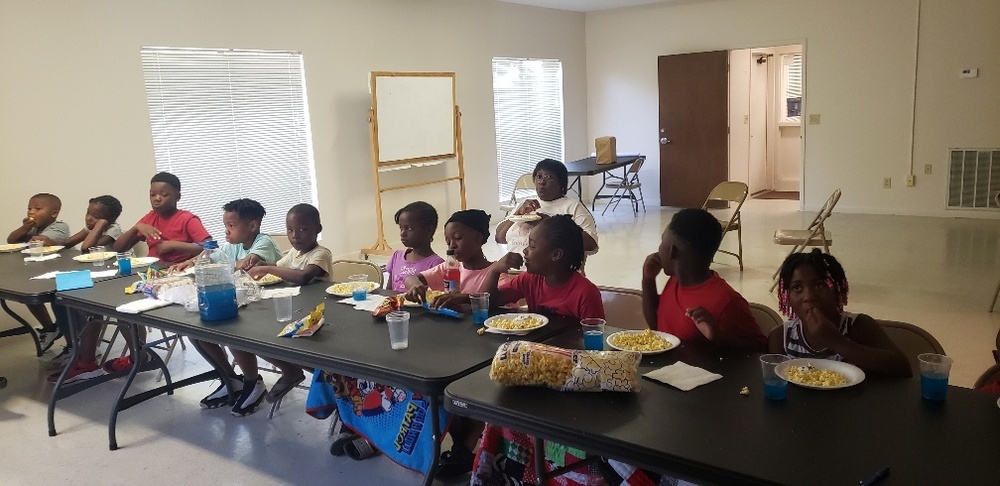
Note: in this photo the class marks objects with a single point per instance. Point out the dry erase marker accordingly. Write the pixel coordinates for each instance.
(880, 475)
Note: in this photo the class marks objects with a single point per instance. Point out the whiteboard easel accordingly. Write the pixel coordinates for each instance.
(414, 119)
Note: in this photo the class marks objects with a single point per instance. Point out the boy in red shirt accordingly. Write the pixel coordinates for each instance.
(696, 304)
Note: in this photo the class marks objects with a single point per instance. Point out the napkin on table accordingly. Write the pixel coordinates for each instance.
(42, 258)
(369, 304)
(682, 376)
(141, 305)
(279, 292)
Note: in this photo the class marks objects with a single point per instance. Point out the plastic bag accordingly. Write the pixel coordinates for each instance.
(535, 364)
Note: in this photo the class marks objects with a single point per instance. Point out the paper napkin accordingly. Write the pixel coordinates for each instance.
(279, 292)
(369, 304)
(141, 305)
(683, 376)
(42, 258)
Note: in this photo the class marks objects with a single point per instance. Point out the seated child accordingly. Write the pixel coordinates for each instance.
(247, 247)
(41, 223)
(100, 225)
(696, 304)
(305, 262)
(417, 223)
(812, 292)
(173, 235)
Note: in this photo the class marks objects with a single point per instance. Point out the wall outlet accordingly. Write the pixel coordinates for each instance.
(814, 119)
(928, 168)
(911, 180)
(887, 183)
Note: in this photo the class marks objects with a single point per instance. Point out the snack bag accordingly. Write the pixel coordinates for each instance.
(535, 364)
(307, 326)
(391, 303)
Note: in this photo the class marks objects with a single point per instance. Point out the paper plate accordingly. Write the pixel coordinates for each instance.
(520, 218)
(539, 321)
(11, 247)
(346, 289)
(673, 340)
(45, 249)
(95, 257)
(852, 373)
(268, 279)
(139, 262)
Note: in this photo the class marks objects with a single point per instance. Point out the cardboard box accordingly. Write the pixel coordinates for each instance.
(606, 151)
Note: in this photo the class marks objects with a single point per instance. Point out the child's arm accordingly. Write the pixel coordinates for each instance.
(735, 328)
(416, 288)
(20, 234)
(867, 346)
(491, 284)
(776, 340)
(180, 247)
(651, 268)
(290, 275)
(135, 234)
(95, 237)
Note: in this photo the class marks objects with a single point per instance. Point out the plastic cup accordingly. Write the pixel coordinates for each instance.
(775, 387)
(35, 248)
(934, 371)
(593, 333)
(399, 329)
(97, 252)
(283, 308)
(480, 307)
(124, 263)
(359, 287)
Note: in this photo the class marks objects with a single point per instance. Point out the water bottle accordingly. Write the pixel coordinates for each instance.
(213, 273)
(452, 274)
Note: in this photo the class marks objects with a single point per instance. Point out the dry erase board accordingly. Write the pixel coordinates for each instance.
(414, 116)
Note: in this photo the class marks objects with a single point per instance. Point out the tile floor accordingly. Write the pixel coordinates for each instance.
(933, 272)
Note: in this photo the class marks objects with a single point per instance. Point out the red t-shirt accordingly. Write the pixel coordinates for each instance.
(730, 309)
(180, 226)
(578, 298)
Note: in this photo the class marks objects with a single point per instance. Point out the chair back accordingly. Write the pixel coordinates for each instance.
(633, 169)
(824, 212)
(623, 307)
(141, 249)
(524, 188)
(767, 319)
(991, 375)
(341, 270)
(281, 239)
(728, 192)
(912, 340)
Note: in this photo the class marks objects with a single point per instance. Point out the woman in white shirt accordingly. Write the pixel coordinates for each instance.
(551, 184)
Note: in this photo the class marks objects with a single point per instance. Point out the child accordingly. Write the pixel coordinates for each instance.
(248, 247)
(100, 224)
(696, 304)
(173, 235)
(417, 223)
(465, 232)
(41, 223)
(812, 292)
(305, 262)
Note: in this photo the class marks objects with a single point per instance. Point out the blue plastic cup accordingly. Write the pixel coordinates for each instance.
(480, 307)
(775, 386)
(359, 287)
(593, 333)
(124, 263)
(934, 371)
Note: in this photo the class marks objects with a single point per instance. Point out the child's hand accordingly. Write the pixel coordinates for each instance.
(28, 222)
(704, 320)
(652, 267)
(417, 294)
(148, 231)
(44, 239)
(529, 206)
(822, 333)
(249, 262)
(180, 267)
(257, 272)
(451, 301)
(509, 261)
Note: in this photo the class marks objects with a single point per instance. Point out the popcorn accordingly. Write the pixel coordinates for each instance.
(527, 363)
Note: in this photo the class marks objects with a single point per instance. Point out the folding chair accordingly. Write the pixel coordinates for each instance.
(730, 192)
(767, 319)
(623, 307)
(167, 343)
(341, 270)
(523, 189)
(912, 340)
(627, 187)
(814, 235)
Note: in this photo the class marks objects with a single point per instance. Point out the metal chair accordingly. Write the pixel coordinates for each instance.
(623, 307)
(627, 186)
(523, 189)
(767, 319)
(341, 270)
(912, 340)
(165, 343)
(814, 235)
(730, 192)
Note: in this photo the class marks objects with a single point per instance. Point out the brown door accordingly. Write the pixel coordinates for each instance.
(694, 141)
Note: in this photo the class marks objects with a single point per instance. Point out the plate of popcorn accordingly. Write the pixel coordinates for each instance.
(12, 247)
(346, 289)
(95, 257)
(820, 374)
(520, 218)
(45, 250)
(516, 324)
(268, 279)
(646, 341)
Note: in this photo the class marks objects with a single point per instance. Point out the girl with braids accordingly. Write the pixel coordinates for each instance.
(552, 283)
(812, 292)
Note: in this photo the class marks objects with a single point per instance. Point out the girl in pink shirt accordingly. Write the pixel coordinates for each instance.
(417, 223)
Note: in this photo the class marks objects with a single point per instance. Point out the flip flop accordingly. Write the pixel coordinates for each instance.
(359, 449)
(279, 390)
(344, 438)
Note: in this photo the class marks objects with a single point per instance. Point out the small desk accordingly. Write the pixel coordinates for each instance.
(713, 434)
(589, 167)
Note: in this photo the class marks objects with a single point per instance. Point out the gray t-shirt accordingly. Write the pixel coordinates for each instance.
(57, 230)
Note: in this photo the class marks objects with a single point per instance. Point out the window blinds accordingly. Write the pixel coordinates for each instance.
(231, 124)
(528, 106)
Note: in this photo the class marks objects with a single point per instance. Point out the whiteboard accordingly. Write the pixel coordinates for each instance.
(414, 116)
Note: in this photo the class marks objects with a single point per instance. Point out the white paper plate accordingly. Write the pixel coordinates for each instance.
(673, 340)
(95, 257)
(520, 218)
(345, 289)
(139, 262)
(492, 320)
(12, 247)
(45, 249)
(268, 279)
(852, 373)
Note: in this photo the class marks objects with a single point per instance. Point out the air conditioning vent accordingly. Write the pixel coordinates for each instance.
(973, 178)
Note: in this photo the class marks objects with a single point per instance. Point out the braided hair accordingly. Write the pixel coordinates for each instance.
(563, 233)
(422, 212)
(826, 267)
(111, 204)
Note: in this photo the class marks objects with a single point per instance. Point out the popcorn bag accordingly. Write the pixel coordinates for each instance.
(534, 364)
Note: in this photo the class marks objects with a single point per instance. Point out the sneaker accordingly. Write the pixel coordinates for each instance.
(80, 372)
(221, 395)
(251, 396)
(47, 338)
(118, 365)
(62, 359)
(454, 463)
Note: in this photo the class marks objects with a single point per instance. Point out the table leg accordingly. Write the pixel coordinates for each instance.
(435, 426)
(57, 393)
(25, 328)
(539, 446)
(579, 190)
(136, 349)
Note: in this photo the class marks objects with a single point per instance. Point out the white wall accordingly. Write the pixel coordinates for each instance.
(860, 58)
(72, 95)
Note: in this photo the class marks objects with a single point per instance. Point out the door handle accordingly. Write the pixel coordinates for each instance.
(664, 141)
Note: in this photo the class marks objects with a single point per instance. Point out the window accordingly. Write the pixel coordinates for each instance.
(791, 89)
(231, 124)
(528, 106)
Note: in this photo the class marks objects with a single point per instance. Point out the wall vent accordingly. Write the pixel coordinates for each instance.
(973, 178)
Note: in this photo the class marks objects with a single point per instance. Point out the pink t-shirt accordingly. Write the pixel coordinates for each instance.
(470, 281)
(399, 268)
(180, 226)
(578, 298)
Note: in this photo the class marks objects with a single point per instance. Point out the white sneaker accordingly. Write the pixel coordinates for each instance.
(47, 338)
(220, 396)
(62, 359)
(250, 397)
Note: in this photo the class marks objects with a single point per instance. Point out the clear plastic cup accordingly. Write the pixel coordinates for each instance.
(399, 329)
(593, 333)
(775, 387)
(283, 308)
(97, 253)
(359, 287)
(480, 307)
(35, 248)
(934, 371)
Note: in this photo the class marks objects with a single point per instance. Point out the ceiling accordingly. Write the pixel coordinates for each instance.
(585, 5)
